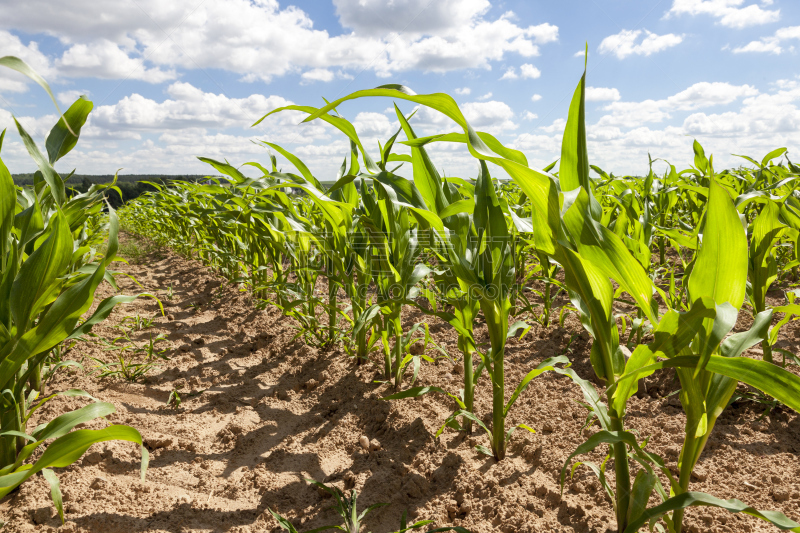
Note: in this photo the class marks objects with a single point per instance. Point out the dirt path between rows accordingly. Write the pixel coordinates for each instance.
(260, 414)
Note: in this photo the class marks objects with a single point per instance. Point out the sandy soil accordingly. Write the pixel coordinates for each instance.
(268, 413)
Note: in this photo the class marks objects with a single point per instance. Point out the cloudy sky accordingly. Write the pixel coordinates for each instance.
(184, 78)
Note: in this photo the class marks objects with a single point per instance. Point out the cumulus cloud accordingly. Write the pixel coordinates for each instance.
(68, 97)
(525, 71)
(761, 116)
(699, 95)
(536, 97)
(370, 125)
(529, 71)
(494, 117)
(729, 13)
(104, 59)
(189, 107)
(600, 94)
(529, 116)
(317, 74)
(557, 126)
(258, 39)
(12, 45)
(485, 96)
(773, 43)
(378, 17)
(463, 91)
(624, 43)
(510, 74)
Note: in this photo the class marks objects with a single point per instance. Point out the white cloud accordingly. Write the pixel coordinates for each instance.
(463, 91)
(632, 114)
(536, 97)
(704, 94)
(623, 44)
(579, 53)
(485, 96)
(557, 126)
(529, 71)
(11, 45)
(68, 97)
(699, 95)
(600, 94)
(760, 116)
(494, 117)
(525, 71)
(317, 74)
(189, 107)
(104, 59)
(378, 17)
(370, 124)
(771, 44)
(510, 74)
(529, 116)
(729, 13)
(259, 40)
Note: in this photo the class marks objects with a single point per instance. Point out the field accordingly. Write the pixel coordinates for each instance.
(556, 351)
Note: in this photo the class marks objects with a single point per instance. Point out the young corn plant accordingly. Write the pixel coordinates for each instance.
(47, 282)
(762, 264)
(709, 365)
(347, 508)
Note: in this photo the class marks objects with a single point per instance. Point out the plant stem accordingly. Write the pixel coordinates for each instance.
(662, 248)
(332, 290)
(767, 349)
(498, 407)
(621, 471)
(35, 379)
(469, 389)
(398, 354)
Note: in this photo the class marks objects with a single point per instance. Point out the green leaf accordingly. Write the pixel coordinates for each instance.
(8, 206)
(55, 491)
(54, 327)
(605, 250)
(104, 309)
(643, 486)
(610, 437)
(491, 142)
(697, 499)
(595, 295)
(37, 282)
(764, 376)
(545, 366)
(737, 343)
(537, 185)
(573, 172)
(45, 167)
(65, 133)
(720, 269)
(63, 424)
(772, 155)
(700, 160)
(20, 66)
(67, 449)
(293, 159)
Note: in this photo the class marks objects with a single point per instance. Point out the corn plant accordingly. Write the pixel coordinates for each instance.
(469, 247)
(347, 508)
(48, 277)
(709, 365)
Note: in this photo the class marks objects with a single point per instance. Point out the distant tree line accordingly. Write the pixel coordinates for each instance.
(131, 185)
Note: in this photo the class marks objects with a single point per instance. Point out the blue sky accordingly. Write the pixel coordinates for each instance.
(186, 78)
